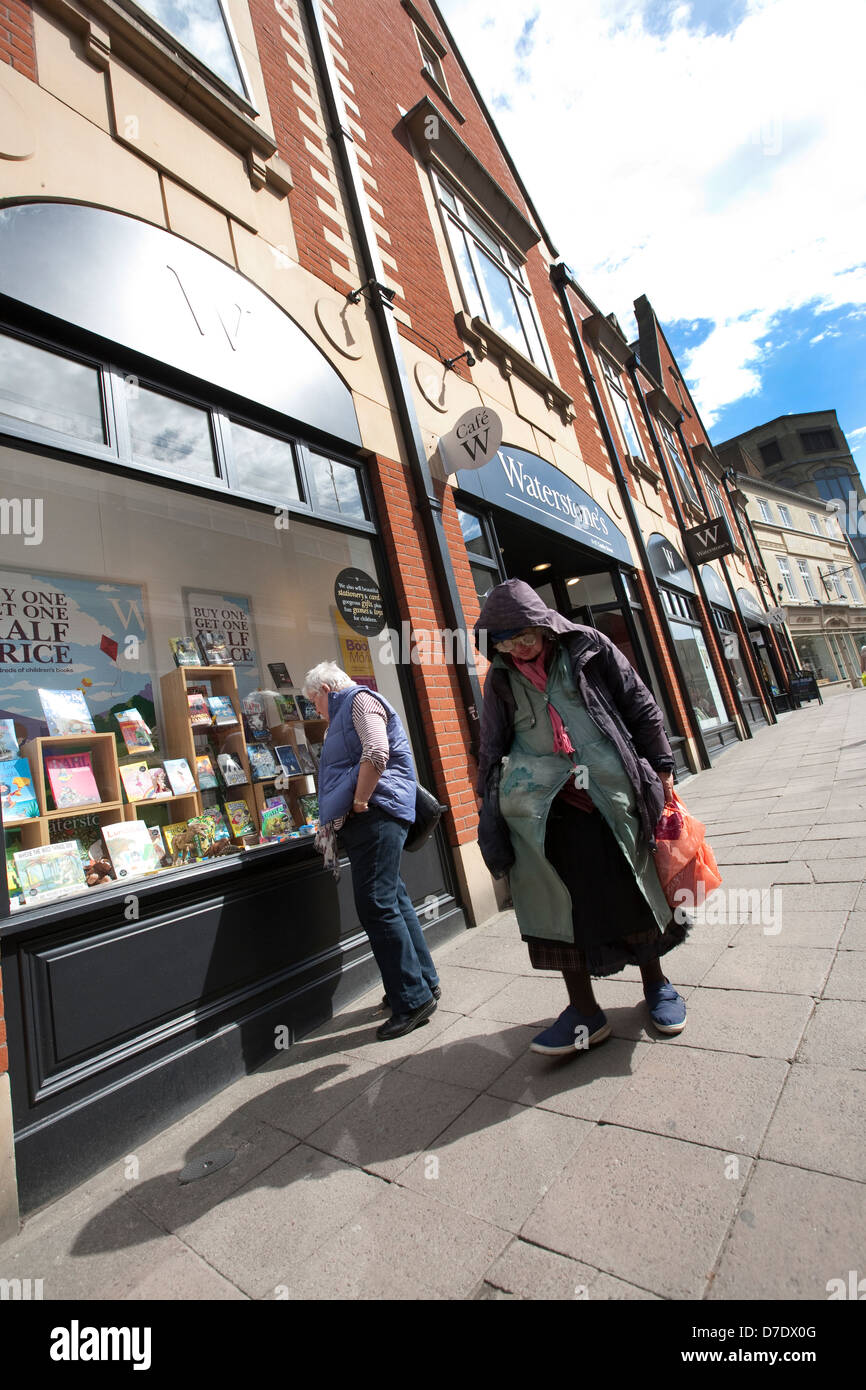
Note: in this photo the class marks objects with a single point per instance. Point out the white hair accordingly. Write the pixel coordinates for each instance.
(326, 673)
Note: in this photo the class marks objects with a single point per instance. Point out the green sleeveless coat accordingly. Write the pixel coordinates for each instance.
(532, 775)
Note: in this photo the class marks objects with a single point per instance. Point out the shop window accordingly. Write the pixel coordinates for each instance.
(493, 282)
(169, 434)
(733, 655)
(334, 486)
(263, 464)
(56, 393)
(701, 684)
(205, 31)
(130, 576)
(623, 410)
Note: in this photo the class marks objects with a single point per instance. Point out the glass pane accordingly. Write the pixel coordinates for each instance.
(530, 329)
(473, 534)
(701, 684)
(44, 389)
(503, 311)
(201, 28)
(480, 231)
(264, 464)
(170, 434)
(484, 580)
(334, 487)
(465, 271)
(633, 444)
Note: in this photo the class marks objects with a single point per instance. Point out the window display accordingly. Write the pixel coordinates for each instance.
(126, 750)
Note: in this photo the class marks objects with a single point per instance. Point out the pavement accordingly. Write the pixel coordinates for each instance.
(724, 1163)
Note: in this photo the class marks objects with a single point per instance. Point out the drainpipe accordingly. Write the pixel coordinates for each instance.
(696, 569)
(561, 277)
(429, 504)
(735, 607)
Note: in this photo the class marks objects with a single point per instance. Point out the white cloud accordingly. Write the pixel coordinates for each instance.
(719, 174)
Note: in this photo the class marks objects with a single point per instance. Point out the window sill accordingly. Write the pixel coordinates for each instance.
(443, 96)
(692, 511)
(486, 342)
(108, 31)
(605, 338)
(642, 469)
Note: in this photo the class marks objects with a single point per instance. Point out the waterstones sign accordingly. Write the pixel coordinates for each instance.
(529, 486)
(709, 541)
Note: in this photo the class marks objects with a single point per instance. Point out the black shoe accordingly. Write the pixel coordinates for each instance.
(436, 991)
(398, 1024)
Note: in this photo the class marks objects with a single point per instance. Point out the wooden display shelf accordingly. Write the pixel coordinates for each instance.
(103, 751)
(181, 733)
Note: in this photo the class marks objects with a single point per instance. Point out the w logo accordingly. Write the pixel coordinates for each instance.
(710, 536)
(476, 444)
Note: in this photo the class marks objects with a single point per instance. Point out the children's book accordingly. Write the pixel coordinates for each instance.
(8, 739)
(239, 818)
(179, 775)
(130, 848)
(275, 823)
(12, 881)
(222, 709)
(281, 709)
(190, 849)
(66, 712)
(277, 803)
(309, 807)
(17, 791)
(263, 764)
(214, 648)
(211, 826)
(286, 754)
(255, 716)
(71, 778)
(232, 772)
(161, 786)
(204, 771)
(137, 782)
(136, 734)
(198, 709)
(49, 869)
(279, 674)
(184, 651)
(159, 844)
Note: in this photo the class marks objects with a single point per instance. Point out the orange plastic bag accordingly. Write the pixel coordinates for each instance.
(685, 864)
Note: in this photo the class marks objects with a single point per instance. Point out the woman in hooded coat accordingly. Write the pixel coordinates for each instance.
(574, 759)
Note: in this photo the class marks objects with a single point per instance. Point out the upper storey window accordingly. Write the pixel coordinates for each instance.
(492, 280)
(204, 30)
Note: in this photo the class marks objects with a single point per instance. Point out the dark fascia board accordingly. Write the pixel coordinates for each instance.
(647, 327)
(661, 404)
(454, 157)
(482, 106)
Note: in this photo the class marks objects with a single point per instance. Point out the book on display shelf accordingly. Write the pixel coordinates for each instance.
(309, 807)
(204, 771)
(17, 791)
(288, 758)
(231, 771)
(185, 651)
(239, 818)
(214, 648)
(199, 714)
(138, 783)
(278, 803)
(159, 844)
(222, 710)
(135, 732)
(189, 845)
(50, 869)
(276, 823)
(66, 712)
(307, 708)
(263, 764)
(130, 848)
(280, 675)
(180, 777)
(71, 779)
(8, 739)
(254, 714)
(210, 826)
(305, 758)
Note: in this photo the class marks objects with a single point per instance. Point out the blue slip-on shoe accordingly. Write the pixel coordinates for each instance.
(572, 1032)
(667, 1008)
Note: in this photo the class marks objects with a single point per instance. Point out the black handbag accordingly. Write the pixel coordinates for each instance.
(428, 813)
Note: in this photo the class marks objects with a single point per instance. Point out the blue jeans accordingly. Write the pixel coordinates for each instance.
(374, 841)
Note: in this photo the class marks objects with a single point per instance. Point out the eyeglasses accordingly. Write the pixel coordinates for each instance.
(523, 639)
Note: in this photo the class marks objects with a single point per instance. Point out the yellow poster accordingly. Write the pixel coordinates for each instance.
(356, 657)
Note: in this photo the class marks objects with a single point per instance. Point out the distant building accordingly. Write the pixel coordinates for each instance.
(807, 453)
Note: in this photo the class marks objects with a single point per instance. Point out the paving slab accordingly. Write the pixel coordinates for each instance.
(401, 1246)
(748, 963)
(854, 936)
(820, 1122)
(847, 979)
(526, 1271)
(304, 1094)
(796, 1231)
(506, 955)
(779, 853)
(497, 1160)
(733, 1020)
(281, 1218)
(836, 1036)
(679, 1204)
(473, 1053)
(809, 930)
(722, 1099)
(463, 990)
(838, 870)
(532, 999)
(583, 1085)
(394, 1118)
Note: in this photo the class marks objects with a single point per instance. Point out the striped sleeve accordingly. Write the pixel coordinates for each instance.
(370, 721)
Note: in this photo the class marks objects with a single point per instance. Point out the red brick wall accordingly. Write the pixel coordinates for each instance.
(16, 37)
(436, 684)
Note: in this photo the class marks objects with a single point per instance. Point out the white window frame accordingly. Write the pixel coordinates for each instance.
(816, 525)
(787, 576)
(431, 60)
(245, 93)
(458, 215)
(627, 426)
(766, 514)
(686, 485)
(806, 576)
(786, 516)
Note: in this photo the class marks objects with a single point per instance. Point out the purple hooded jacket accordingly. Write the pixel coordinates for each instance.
(615, 697)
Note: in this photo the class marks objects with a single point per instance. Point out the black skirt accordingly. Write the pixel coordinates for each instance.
(613, 924)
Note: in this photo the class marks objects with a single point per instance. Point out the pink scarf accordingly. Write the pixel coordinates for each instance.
(536, 672)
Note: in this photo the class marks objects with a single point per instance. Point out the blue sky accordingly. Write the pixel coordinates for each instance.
(725, 140)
